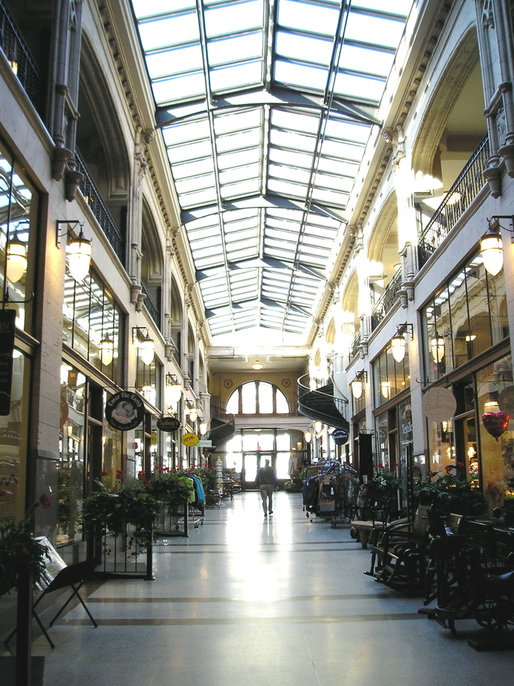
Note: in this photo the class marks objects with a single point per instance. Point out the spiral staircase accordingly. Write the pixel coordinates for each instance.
(322, 405)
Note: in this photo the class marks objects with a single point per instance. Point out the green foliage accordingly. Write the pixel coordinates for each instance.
(170, 489)
(448, 493)
(18, 546)
(385, 485)
(130, 505)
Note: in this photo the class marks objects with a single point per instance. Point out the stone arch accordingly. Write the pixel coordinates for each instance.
(463, 63)
(99, 133)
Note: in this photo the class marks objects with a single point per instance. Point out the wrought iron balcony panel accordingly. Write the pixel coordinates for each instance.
(457, 200)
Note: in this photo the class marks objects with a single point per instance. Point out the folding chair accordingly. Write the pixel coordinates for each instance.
(73, 576)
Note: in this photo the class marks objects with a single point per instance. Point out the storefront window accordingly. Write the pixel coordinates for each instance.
(495, 397)
(389, 376)
(71, 451)
(465, 318)
(18, 221)
(13, 443)
(92, 324)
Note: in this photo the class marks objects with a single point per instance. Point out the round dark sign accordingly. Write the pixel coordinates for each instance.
(340, 436)
(168, 424)
(124, 410)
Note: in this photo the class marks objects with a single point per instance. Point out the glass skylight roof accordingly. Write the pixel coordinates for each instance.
(266, 109)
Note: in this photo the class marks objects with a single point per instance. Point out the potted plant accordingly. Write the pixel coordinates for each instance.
(19, 548)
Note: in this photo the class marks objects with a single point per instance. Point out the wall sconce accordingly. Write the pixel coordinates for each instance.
(308, 437)
(16, 256)
(106, 350)
(437, 348)
(173, 391)
(257, 365)
(202, 428)
(357, 385)
(193, 414)
(491, 244)
(398, 342)
(78, 249)
(146, 345)
(317, 427)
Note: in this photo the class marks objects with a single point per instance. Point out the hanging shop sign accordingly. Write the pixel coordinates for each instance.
(439, 404)
(190, 439)
(340, 436)
(125, 410)
(7, 328)
(168, 424)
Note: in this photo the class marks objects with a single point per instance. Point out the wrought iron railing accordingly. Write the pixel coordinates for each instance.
(97, 206)
(459, 197)
(153, 308)
(14, 48)
(386, 300)
(355, 345)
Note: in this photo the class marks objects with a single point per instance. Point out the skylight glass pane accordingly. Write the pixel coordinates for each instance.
(363, 88)
(233, 17)
(287, 119)
(240, 173)
(290, 158)
(234, 190)
(307, 16)
(379, 30)
(282, 172)
(195, 168)
(236, 76)
(180, 28)
(186, 132)
(236, 159)
(330, 197)
(237, 141)
(281, 187)
(366, 60)
(308, 77)
(178, 88)
(204, 197)
(148, 8)
(298, 47)
(172, 61)
(194, 183)
(180, 153)
(293, 140)
(237, 121)
(234, 49)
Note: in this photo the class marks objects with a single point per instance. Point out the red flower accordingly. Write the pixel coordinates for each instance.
(103, 473)
(45, 501)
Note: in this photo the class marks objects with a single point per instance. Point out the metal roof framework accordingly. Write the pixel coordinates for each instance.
(266, 107)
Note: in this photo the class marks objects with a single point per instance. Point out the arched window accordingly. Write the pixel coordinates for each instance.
(257, 397)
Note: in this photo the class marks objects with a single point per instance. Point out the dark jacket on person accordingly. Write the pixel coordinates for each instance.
(266, 475)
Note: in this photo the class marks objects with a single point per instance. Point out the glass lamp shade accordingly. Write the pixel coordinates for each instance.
(398, 345)
(437, 348)
(106, 350)
(79, 257)
(357, 388)
(385, 388)
(257, 365)
(173, 393)
(308, 436)
(193, 414)
(16, 259)
(491, 249)
(147, 350)
(203, 428)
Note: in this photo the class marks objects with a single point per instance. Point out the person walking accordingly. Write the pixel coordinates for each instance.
(267, 480)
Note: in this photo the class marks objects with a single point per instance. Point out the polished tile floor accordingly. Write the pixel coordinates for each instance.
(249, 601)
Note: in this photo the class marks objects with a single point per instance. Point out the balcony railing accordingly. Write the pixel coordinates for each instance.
(386, 300)
(459, 197)
(14, 48)
(99, 209)
(153, 308)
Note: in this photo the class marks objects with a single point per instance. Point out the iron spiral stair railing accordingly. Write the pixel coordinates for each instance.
(322, 405)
